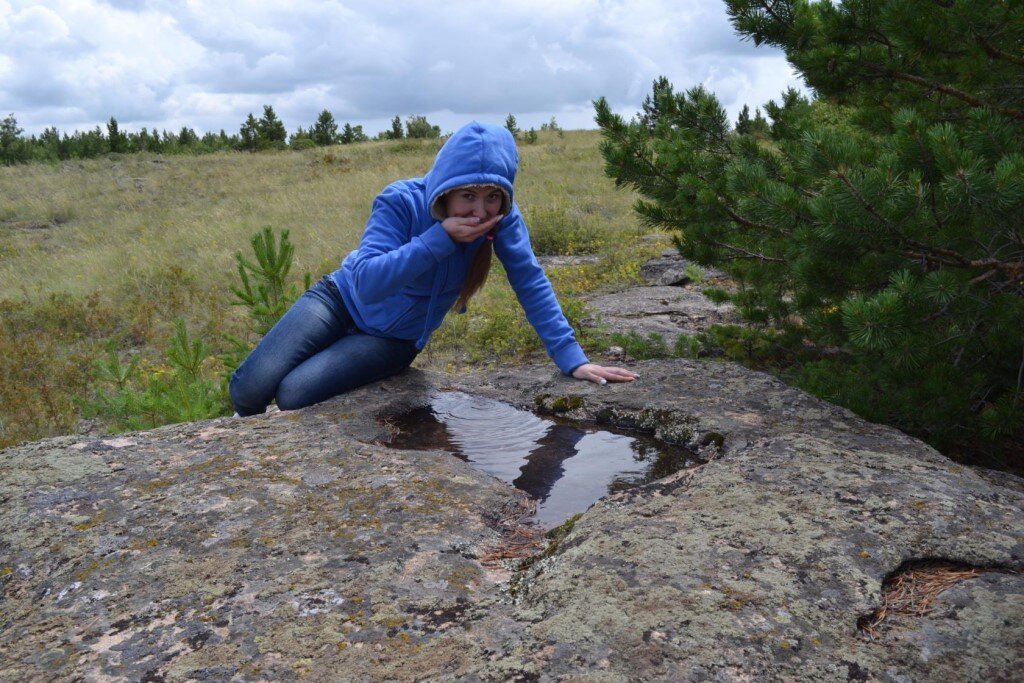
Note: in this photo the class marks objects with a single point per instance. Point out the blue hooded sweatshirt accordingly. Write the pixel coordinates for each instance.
(407, 271)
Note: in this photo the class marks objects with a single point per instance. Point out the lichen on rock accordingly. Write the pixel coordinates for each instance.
(294, 545)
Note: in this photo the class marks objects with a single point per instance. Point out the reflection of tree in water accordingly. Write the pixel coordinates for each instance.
(544, 463)
(664, 460)
(530, 452)
(420, 429)
(423, 428)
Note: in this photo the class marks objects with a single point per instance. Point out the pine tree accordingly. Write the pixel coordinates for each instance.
(249, 135)
(49, 145)
(553, 127)
(651, 106)
(743, 121)
(187, 138)
(325, 131)
(272, 132)
(512, 126)
(883, 222)
(13, 149)
(396, 132)
(752, 126)
(117, 140)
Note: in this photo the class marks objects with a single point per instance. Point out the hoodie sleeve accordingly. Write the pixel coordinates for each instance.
(389, 256)
(533, 289)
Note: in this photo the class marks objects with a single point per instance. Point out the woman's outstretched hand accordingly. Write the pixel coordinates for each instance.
(602, 375)
(469, 228)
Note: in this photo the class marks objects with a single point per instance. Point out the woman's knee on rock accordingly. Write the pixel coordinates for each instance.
(293, 395)
(245, 395)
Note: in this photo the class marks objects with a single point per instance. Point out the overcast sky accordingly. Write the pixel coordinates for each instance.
(205, 64)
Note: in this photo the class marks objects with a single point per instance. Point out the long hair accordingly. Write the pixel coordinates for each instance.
(476, 276)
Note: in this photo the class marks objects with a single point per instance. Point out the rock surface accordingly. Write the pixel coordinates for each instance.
(671, 304)
(294, 544)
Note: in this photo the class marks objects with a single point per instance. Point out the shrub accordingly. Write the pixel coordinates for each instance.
(181, 391)
(716, 294)
(417, 127)
(558, 231)
(641, 347)
(299, 144)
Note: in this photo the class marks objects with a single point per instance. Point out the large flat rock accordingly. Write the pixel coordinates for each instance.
(293, 544)
(250, 549)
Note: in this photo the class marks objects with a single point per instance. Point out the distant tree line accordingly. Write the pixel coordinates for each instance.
(530, 136)
(255, 134)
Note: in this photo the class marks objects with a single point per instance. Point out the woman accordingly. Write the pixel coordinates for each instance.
(427, 246)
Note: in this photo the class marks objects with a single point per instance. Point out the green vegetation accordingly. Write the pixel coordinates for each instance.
(264, 289)
(114, 268)
(418, 128)
(183, 390)
(255, 135)
(559, 230)
(266, 133)
(880, 227)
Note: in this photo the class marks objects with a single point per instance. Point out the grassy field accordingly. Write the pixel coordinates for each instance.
(107, 253)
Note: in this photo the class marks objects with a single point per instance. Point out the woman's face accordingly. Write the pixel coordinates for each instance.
(474, 201)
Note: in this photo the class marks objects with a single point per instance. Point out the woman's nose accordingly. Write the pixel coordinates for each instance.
(479, 209)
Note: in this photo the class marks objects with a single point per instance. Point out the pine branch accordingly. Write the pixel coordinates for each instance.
(931, 254)
(1013, 270)
(769, 8)
(1020, 372)
(996, 53)
(935, 86)
(745, 254)
(656, 171)
(969, 336)
(746, 222)
(983, 277)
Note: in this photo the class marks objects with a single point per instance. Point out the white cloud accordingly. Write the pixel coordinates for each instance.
(35, 26)
(207, 64)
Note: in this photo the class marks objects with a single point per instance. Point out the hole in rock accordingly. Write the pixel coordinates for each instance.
(564, 466)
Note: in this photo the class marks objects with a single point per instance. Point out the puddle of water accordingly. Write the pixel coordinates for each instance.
(564, 467)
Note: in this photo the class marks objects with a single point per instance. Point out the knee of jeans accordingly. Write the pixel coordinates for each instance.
(234, 386)
(240, 392)
(290, 396)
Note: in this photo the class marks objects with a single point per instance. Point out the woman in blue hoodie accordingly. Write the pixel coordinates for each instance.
(426, 248)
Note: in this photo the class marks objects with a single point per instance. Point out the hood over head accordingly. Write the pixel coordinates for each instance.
(476, 154)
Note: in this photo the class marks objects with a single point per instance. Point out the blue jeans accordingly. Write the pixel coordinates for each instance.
(314, 352)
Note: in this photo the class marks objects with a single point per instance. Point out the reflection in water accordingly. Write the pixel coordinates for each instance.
(565, 468)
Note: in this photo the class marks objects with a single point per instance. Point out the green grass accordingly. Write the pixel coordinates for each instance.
(113, 250)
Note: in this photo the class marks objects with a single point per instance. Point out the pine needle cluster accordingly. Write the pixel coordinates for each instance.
(883, 218)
